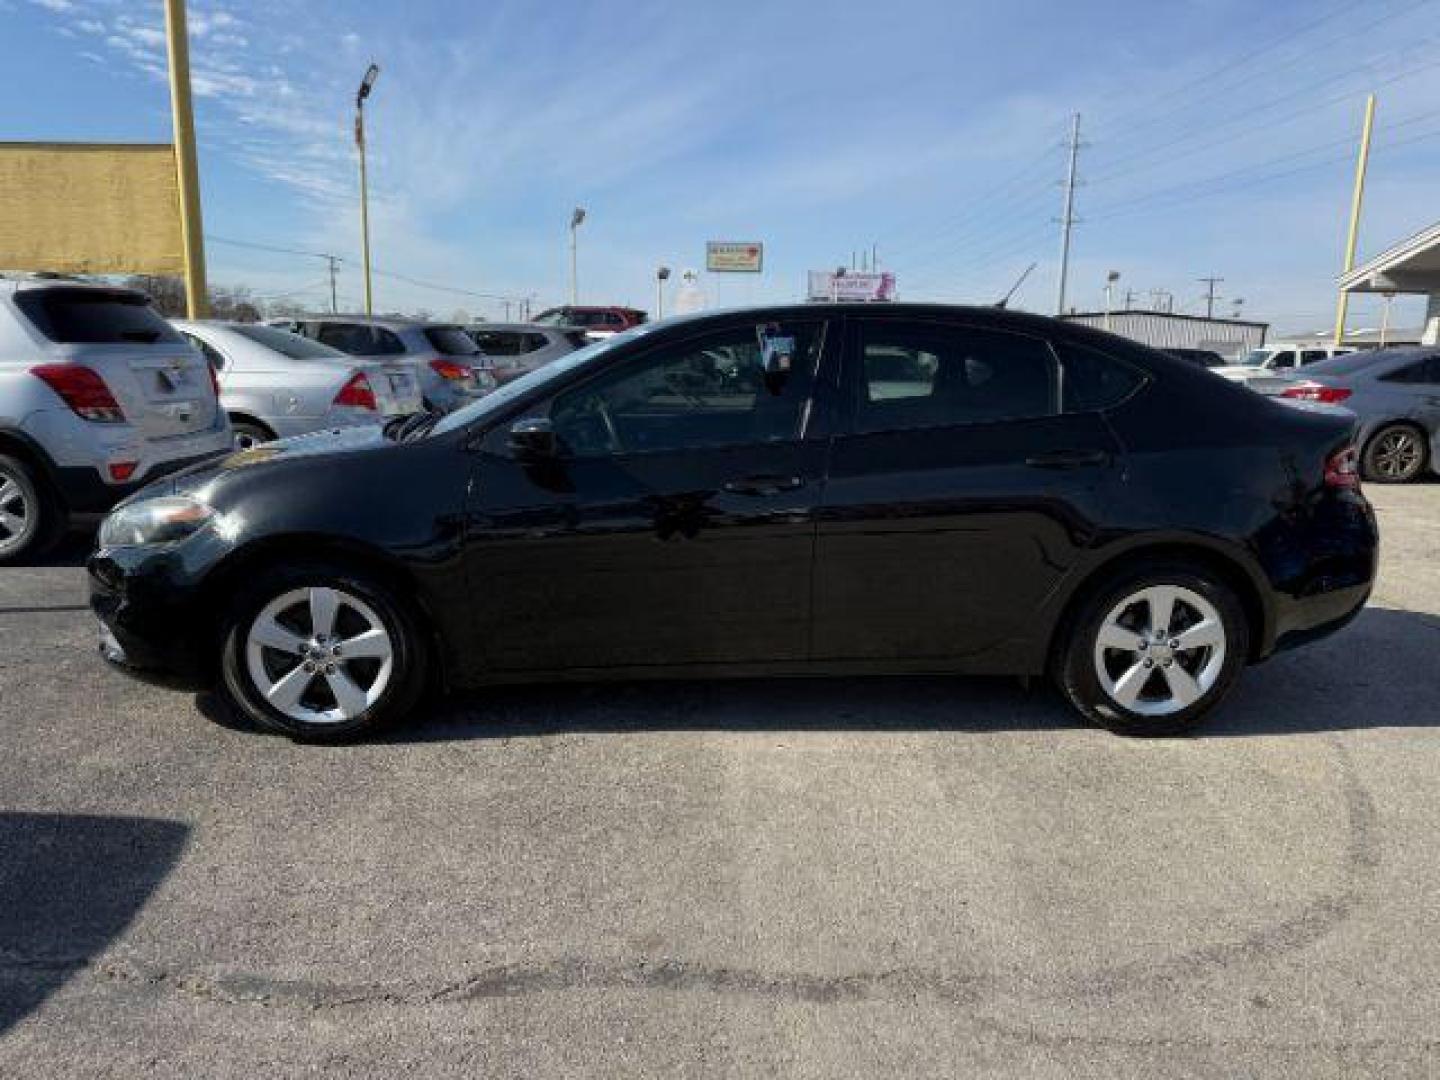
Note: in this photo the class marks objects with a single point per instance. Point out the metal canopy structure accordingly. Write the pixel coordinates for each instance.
(1411, 266)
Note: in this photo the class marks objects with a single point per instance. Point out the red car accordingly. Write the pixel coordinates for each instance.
(595, 321)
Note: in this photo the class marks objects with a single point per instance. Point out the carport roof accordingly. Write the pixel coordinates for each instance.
(1411, 266)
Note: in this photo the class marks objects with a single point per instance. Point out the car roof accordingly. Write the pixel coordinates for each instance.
(517, 327)
(18, 282)
(387, 322)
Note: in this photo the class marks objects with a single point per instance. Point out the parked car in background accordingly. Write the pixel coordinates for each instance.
(728, 494)
(450, 366)
(98, 396)
(1205, 358)
(1396, 395)
(1267, 368)
(515, 348)
(597, 322)
(274, 384)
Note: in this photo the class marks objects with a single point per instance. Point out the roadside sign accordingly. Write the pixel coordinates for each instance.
(828, 285)
(734, 257)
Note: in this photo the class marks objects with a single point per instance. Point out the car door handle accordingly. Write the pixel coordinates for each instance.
(1067, 459)
(763, 485)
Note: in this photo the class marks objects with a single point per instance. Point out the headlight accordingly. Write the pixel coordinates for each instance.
(154, 521)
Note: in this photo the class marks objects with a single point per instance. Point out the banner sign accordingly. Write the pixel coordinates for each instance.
(828, 285)
(90, 208)
(730, 257)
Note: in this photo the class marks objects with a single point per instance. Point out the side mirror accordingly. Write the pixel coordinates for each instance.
(533, 439)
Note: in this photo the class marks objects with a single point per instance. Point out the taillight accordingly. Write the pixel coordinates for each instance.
(356, 394)
(83, 390)
(1313, 391)
(448, 369)
(1342, 468)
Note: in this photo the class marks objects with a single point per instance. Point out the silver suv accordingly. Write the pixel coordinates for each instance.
(451, 368)
(98, 396)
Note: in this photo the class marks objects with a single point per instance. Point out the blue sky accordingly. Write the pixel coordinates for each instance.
(1220, 139)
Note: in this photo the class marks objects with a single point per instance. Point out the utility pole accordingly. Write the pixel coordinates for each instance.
(334, 301)
(1210, 283)
(874, 256)
(1067, 220)
(1356, 199)
(192, 229)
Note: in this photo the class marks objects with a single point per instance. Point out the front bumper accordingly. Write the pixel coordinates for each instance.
(145, 601)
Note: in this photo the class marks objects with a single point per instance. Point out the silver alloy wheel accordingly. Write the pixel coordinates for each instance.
(319, 655)
(1398, 454)
(14, 511)
(1160, 650)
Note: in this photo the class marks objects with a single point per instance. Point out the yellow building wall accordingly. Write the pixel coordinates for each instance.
(89, 208)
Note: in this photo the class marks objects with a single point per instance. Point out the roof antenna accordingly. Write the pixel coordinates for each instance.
(1018, 282)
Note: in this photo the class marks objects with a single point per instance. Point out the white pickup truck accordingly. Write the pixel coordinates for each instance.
(1268, 368)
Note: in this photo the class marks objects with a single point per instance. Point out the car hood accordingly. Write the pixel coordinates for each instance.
(1240, 372)
(205, 477)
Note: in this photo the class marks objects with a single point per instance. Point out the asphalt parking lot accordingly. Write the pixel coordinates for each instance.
(859, 878)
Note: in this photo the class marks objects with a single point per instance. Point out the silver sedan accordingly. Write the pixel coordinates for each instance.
(1396, 395)
(274, 384)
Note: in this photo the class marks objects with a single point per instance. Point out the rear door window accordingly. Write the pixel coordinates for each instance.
(1310, 356)
(349, 338)
(83, 316)
(1283, 360)
(924, 375)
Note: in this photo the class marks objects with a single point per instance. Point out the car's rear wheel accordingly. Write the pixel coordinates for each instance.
(1154, 649)
(30, 519)
(322, 654)
(1396, 454)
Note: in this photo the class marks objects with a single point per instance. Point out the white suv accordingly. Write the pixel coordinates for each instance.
(1267, 369)
(98, 395)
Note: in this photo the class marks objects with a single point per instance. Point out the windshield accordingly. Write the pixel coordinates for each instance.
(556, 369)
(1256, 358)
(288, 344)
(553, 317)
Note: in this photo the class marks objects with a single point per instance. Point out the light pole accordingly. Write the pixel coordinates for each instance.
(1110, 279)
(366, 84)
(576, 217)
(662, 275)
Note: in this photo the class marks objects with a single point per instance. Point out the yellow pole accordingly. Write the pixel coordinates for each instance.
(1343, 307)
(192, 228)
(364, 204)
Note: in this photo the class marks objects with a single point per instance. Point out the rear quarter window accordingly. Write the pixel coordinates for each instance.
(95, 317)
(1091, 380)
(451, 341)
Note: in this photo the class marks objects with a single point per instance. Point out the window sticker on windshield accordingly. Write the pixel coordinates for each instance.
(777, 352)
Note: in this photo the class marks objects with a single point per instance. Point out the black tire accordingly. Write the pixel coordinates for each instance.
(1075, 662)
(406, 682)
(248, 434)
(28, 500)
(1395, 454)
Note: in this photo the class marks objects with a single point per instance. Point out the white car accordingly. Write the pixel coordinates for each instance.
(274, 384)
(99, 395)
(1268, 369)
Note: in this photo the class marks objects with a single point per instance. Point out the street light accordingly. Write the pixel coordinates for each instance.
(662, 275)
(576, 217)
(366, 84)
(1110, 279)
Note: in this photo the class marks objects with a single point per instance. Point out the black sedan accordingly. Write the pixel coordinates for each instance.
(780, 491)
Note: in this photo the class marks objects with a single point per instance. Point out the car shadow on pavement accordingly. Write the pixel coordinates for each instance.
(72, 550)
(1379, 672)
(69, 886)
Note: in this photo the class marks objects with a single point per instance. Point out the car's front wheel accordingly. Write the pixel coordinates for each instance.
(322, 654)
(1154, 649)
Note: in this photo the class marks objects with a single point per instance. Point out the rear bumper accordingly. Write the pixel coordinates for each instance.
(1323, 572)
